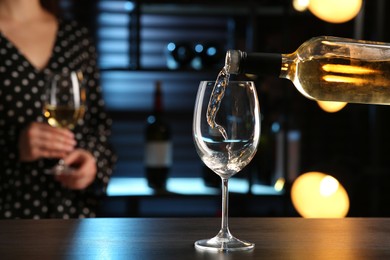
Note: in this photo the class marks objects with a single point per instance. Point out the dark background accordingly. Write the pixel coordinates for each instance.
(351, 145)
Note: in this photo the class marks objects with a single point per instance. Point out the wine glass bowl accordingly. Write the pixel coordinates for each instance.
(64, 105)
(226, 131)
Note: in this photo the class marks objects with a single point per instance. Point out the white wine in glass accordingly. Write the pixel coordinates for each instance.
(64, 106)
(226, 132)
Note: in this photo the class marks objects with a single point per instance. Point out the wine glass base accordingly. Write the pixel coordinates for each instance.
(217, 244)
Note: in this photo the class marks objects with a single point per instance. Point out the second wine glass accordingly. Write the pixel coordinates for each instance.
(226, 131)
(64, 105)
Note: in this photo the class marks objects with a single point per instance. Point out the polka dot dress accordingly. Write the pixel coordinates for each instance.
(25, 191)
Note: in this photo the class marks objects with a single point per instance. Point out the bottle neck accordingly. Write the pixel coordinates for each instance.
(158, 103)
(288, 66)
(267, 64)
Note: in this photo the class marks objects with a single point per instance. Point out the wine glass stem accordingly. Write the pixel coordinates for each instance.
(225, 202)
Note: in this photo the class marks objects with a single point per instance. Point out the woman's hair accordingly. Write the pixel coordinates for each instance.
(52, 6)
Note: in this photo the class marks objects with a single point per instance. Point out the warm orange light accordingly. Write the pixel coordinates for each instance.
(300, 5)
(279, 184)
(347, 69)
(344, 79)
(318, 195)
(335, 11)
(347, 73)
(331, 106)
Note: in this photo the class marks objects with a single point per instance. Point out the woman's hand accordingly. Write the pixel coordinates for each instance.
(84, 172)
(39, 140)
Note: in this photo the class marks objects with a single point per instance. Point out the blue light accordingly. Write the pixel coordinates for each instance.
(259, 189)
(129, 6)
(275, 127)
(114, 19)
(151, 119)
(188, 186)
(211, 51)
(120, 186)
(199, 48)
(116, 6)
(128, 186)
(171, 46)
(117, 33)
(108, 46)
(98, 243)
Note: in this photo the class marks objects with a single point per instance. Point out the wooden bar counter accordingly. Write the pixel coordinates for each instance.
(173, 238)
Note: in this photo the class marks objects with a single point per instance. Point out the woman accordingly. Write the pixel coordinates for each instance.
(34, 43)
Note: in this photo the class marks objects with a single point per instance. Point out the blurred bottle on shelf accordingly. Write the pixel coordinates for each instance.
(207, 55)
(179, 55)
(158, 147)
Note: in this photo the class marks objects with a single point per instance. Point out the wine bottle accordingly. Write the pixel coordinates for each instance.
(180, 55)
(158, 150)
(325, 68)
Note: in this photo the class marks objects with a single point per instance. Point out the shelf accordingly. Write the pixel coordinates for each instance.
(213, 71)
(189, 197)
(185, 186)
(211, 9)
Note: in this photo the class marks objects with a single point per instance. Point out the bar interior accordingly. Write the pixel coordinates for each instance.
(317, 183)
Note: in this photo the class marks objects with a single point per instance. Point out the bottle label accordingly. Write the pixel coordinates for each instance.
(158, 154)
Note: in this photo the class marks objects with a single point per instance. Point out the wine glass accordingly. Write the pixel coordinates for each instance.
(226, 132)
(64, 105)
